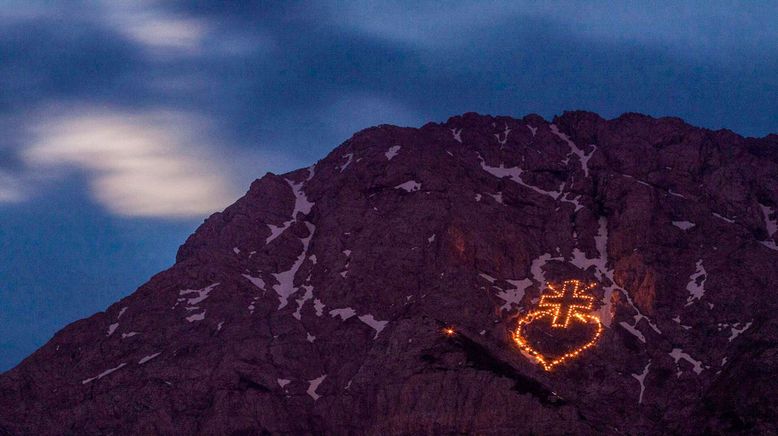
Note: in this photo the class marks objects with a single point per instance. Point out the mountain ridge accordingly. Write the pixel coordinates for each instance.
(315, 302)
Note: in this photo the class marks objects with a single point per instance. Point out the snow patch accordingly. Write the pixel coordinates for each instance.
(202, 294)
(513, 297)
(301, 301)
(684, 225)
(196, 317)
(641, 378)
(147, 358)
(378, 326)
(731, 221)
(497, 197)
(103, 374)
(697, 290)
(678, 354)
(283, 382)
(392, 152)
(350, 157)
(457, 134)
(583, 158)
(236, 250)
(121, 312)
(129, 335)
(431, 239)
(301, 205)
(112, 328)
(410, 186)
(313, 385)
(285, 287)
(737, 331)
(504, 137)
(319, 307)
(344, 313)
(533, 130)
(256, 281)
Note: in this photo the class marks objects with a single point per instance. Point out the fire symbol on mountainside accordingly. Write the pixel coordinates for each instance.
(562, 328)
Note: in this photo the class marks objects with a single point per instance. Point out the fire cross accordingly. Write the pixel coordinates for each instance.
(567, 301)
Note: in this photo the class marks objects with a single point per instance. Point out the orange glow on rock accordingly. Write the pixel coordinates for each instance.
(449, 331)
(565, 307)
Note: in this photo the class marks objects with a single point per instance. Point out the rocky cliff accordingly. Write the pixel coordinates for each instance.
(380, 290)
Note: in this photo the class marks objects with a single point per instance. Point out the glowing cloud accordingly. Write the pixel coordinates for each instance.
(146, 164)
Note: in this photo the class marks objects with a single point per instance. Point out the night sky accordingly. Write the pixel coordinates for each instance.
(125, 124)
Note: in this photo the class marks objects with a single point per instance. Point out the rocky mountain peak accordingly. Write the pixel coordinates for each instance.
(420, 280)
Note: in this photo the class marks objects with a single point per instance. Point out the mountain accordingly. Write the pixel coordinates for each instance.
(415, 280)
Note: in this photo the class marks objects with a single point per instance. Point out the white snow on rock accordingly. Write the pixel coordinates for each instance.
(602, 272)
(641, 378)
(347, 252)
(632, 329)
(285, 287)
(301, 205)
(721, 217)
(505, 136)
(736, 330)
(236, 250)
(147, 358)
(196, 317)
(202, 294)
(350, 157)
(477, 197)
(103, 374)
(410, 186)
(392, 152)
(319, 307)
(256, 281)
(129, 335)
(301, 301)
(677, 319)
(582, 157)
(112, 328)
(121, 312)
(513, 297)
(219, 327)
(684, 225)
(283, 382)
(344, 313)
(771, 225)
(431, 239)
(536, 268)
(514, 173)
(497, 197)
(313, 385)
(697, 290)
(378, 326)
(457, 133)
(309, 337)
(533, 130)
(678, 354)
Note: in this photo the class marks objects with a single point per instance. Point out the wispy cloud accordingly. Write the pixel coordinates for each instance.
(10, 188)
(148, 164)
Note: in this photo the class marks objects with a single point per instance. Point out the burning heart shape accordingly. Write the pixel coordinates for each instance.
(561, 330)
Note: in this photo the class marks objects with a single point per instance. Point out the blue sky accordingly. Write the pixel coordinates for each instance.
(126, 123)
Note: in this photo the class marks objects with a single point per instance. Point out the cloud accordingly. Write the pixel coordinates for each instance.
(147, 164)
(10, 188)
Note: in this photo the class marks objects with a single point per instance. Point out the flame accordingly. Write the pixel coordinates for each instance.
(553, 309)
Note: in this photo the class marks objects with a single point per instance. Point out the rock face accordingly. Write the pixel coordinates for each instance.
(316, 303)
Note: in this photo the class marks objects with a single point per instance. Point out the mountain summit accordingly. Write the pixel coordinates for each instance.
(429, 280)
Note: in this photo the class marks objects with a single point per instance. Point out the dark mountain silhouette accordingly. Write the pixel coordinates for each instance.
(379, 292)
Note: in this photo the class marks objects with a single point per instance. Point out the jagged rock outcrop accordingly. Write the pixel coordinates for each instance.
(315, 303)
